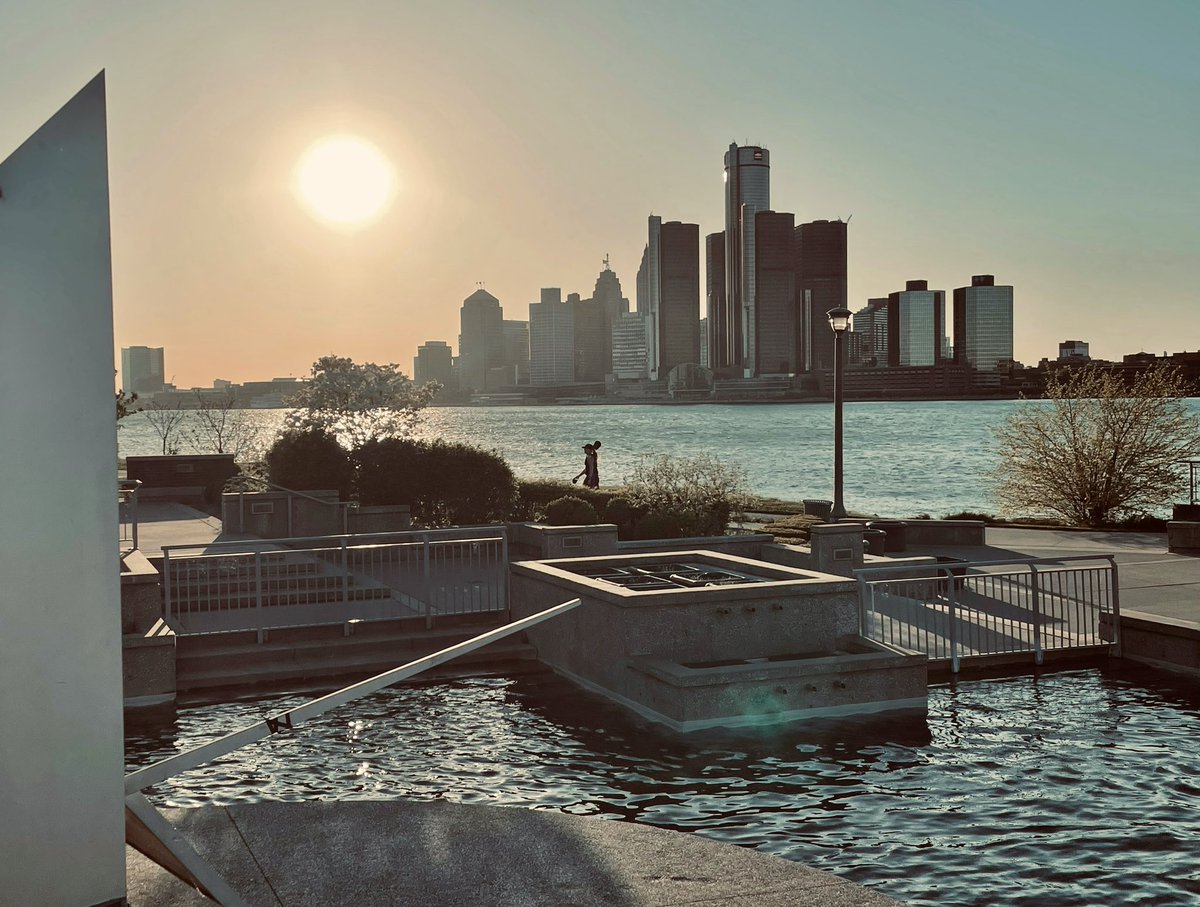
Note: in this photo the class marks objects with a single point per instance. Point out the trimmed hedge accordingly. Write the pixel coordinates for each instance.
(444, 484)
(571, 511)
(308, 461)
(534, 496)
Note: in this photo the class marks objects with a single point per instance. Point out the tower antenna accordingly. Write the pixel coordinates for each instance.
(606, 267)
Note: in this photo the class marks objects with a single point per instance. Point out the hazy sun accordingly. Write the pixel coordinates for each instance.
(345, 180)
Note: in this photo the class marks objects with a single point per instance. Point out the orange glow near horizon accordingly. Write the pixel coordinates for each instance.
(345, 181)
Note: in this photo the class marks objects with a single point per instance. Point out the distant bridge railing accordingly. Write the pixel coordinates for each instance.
(957, 611)
(257, 585)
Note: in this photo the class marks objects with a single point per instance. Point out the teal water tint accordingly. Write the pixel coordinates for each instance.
(1073, 788)
(901, 458)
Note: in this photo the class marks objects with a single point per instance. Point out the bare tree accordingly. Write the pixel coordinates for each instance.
(167, 420)
(219, 425)
(1098, 448)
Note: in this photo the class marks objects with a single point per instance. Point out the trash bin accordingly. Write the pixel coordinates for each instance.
(874, 541)
(897, 534)
(820, 509)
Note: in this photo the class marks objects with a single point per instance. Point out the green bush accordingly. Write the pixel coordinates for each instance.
(308, 461)
(444, 484)
(571, 511)
(625, 515)
(533, 496)
(689, 496)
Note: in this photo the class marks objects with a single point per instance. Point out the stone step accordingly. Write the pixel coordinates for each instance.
(272, 599)
(283, 667)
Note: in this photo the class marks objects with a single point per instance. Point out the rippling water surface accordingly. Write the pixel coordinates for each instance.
(1072, 788)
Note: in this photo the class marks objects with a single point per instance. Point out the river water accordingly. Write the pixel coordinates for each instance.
(1072, 788)
(901, 458)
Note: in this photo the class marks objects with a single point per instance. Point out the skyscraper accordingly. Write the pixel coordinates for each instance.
(776, 337)
(629, 346)
(870, 324)
(481, 342)
(716, 303)
(551, 339)
(433, 363)
(983, 324)
(612, 305)
(820, 286)
(516, 350)
(747, 191)
(142, 370)
(916, 325)
(675, 334)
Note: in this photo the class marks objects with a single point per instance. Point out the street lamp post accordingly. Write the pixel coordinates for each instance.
(839, 320)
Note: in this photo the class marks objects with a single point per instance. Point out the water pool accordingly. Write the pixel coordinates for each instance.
(1079, 787)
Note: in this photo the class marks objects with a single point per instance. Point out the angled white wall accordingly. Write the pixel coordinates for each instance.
(61, 749)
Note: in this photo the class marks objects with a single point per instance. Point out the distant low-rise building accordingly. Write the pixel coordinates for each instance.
(1073, 351)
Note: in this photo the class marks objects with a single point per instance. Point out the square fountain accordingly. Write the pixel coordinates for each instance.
(696, 639)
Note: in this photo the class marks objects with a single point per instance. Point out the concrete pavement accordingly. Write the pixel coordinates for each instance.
(439, 854)
(1151, 579)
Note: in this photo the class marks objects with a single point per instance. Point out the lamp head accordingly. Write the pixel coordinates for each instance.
(839, 319)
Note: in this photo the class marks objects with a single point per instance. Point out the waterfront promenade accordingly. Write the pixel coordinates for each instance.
(372, 854)
(439, 853)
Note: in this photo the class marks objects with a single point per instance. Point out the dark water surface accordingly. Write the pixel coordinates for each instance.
(1072, 788)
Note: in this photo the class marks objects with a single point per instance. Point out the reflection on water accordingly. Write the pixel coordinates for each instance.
(1075, 788)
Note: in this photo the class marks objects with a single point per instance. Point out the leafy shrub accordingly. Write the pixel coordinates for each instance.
(308, 461)
(692, 496)
(444, 484)
(794, 529)
(625, 515)
(571, 511)
(533, 496)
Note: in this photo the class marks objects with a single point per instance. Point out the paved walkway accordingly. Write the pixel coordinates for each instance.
(1151, 579)
(440, 854)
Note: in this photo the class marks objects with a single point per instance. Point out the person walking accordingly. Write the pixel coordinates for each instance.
(591, 467)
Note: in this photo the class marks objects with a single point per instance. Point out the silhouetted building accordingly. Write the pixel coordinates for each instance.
(142, 370)
(629, 347)
(720, 343)
(775, 340)
(1073, 351)
(433, 363)
(747, 191)
(704, 360)
(820, 286)
(516, 350)
(481, 341)
(983, 327)
(916, 325)
(551, 339)
(870, 325)
(675, 336)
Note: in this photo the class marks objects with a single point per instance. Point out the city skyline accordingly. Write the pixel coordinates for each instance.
(1051, 146)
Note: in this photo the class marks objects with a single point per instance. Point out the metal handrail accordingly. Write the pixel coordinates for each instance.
(344, 506)
(956, 574)
(181, 854)
(127, 497)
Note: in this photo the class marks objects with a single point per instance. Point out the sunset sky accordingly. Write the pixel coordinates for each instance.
(1053, 144)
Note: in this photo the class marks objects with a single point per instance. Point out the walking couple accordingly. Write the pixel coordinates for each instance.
(591, 471)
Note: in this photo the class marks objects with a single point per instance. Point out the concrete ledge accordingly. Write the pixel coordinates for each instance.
(954, 533)
(1164, 642)
(744, 545)
(1183, 537)
(440, 854)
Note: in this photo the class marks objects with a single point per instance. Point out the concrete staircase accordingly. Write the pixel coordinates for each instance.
(324, 653)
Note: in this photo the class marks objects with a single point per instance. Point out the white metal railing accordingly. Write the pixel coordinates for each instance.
(964, 610)
(257, 585)
(149, 831)
(127, 511)
(341, 508)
